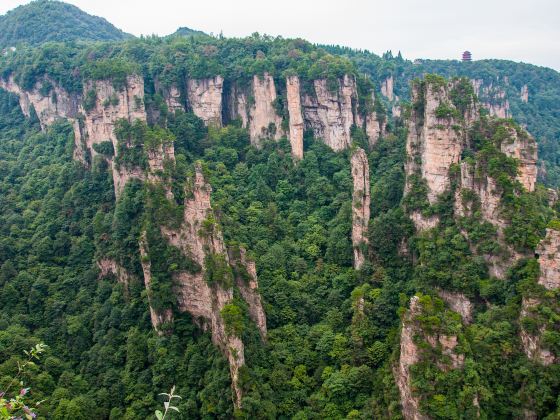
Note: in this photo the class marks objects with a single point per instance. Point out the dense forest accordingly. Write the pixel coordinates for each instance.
(440, 309)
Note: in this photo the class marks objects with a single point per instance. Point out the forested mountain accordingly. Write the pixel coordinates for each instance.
(263, 224)
(42, 21)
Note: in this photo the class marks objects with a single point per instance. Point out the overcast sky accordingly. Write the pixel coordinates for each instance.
(519, 30)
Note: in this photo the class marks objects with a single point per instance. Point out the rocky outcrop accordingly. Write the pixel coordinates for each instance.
(409, 355)
(205, 99)
(102, 107)
(264, 122)
(109, 267)
(412, 352)
(459, 303)
(50, 101)
(531, 342)
(360, 205)
(521, 146)
(387, 88)
(293, 97)
(524, 94)
(201, 293)
(436, 137)
(162, 318)
(493, 98)
(549, 260)
(330, 113)
(246, 280)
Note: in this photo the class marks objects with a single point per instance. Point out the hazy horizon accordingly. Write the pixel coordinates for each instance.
(435, 29)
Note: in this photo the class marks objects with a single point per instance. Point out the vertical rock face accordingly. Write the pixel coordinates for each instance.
(409, 355)
(205, 99)
(330, 114)
(360, 205)
(436, 137)
(387, 88)
(524, 94)
(50, 101)
(108, 266)
(459, 303)
(246, 281)
(549, 260)
(435, 143)
(200, 238)
(159, 318)
(549, 277)
(107, 106)
(412, 353)
(264, 123)
(521, 146)
(293, 97)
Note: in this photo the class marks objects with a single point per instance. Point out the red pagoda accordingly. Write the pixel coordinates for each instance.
(467, 56)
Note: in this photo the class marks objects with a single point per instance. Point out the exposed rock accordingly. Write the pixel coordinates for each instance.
(524, 94)
(396, 111)
(492, 98)
(111, 105)
(523, 147)
(532, 342)
(459, 303)
(293, 97)
(434, 144)
(412, 353)
(330, 114)
(237, 106)
(205, 99)
(247, 283)
(161, 318)
(200, 238)
(552, 196)
(422, 222)
(360, 205)
(409, 355)
(50, 101)
(264, 123)
(549, 260)
(108, 266)
(387, 87)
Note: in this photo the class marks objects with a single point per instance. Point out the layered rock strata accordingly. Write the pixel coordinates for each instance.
(264, 122)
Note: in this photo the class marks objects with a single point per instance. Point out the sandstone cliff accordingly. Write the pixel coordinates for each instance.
(521, 146)
(50, 101)
(387, 87)
(205, 98)
(419, 345)
(548, 252)
(524, 94)
(293, 97)
(360, 205)
(264, 122)
(330, 113)
(437, 133)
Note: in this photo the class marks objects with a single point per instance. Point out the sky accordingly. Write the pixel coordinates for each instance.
(518, 30)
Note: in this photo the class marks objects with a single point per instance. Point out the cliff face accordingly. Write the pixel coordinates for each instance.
(264, 123)
(524, 94)
(387, 88)
(49, 100)
(293, 97)
(436, 137)
(107, 106)
(330, 114)
(493, 98)
(521, 146)
(360, 205)
(205, 99)
(548, 252)
(415, 347)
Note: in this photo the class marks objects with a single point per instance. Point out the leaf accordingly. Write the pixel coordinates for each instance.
(166, 405)
(174, 408)
(159, 415)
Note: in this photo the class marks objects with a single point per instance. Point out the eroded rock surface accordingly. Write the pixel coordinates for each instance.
(361, 199)
(330, 113)
(293, 97)
(205, 99)
(264, 122)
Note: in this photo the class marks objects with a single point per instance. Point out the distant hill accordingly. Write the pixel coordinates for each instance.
(48, 20)
(184, 31)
